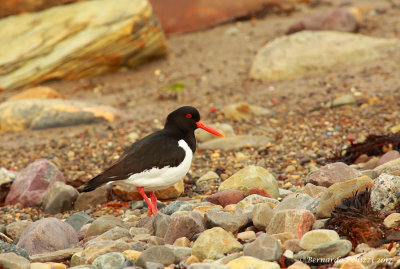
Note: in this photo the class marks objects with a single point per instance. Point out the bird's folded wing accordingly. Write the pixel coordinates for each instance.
(154, 151)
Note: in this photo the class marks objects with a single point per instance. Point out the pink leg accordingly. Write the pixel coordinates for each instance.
(154, 202)
(146, 199)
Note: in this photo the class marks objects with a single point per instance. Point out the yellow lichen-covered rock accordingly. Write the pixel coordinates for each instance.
(131, 255)
(215, 241)
(82, 39)
(249, 177)
(171, 192)
(248, 262)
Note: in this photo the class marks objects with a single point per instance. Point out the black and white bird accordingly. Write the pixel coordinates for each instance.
(158, 160)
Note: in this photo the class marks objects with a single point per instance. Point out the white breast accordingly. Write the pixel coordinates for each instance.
(161, 178)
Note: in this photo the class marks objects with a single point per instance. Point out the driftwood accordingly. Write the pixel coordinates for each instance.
(82, 39)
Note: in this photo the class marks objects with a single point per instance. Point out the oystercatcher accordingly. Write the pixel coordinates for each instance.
(158, 160)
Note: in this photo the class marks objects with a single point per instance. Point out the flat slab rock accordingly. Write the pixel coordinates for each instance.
(179, 16)
(82, 39)
(49, 113)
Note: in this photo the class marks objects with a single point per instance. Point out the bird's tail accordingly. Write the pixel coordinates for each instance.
(92, 184)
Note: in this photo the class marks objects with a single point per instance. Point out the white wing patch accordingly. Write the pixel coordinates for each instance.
(161, 178)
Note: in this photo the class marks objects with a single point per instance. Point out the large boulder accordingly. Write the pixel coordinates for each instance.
(48, 113)
(33, 182)
(280, 58)
(82, 39)
(47, 235)
(59, 198)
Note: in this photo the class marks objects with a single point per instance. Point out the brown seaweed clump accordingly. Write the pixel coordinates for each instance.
(374, 145)
(355, 219)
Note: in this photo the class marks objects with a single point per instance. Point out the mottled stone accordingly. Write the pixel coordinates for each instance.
(384, 193)
(249, 177)
(265, 247)
(296, 221)
(6, 248)
(215, 241)
(48, 234)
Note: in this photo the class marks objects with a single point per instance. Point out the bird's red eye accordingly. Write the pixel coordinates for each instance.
(188, 116)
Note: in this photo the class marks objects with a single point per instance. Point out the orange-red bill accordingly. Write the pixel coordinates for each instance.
(204, 126)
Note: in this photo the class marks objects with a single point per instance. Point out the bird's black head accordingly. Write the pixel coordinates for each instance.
(184, 119)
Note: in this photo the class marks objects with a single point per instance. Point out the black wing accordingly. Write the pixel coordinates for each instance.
(155, 150)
